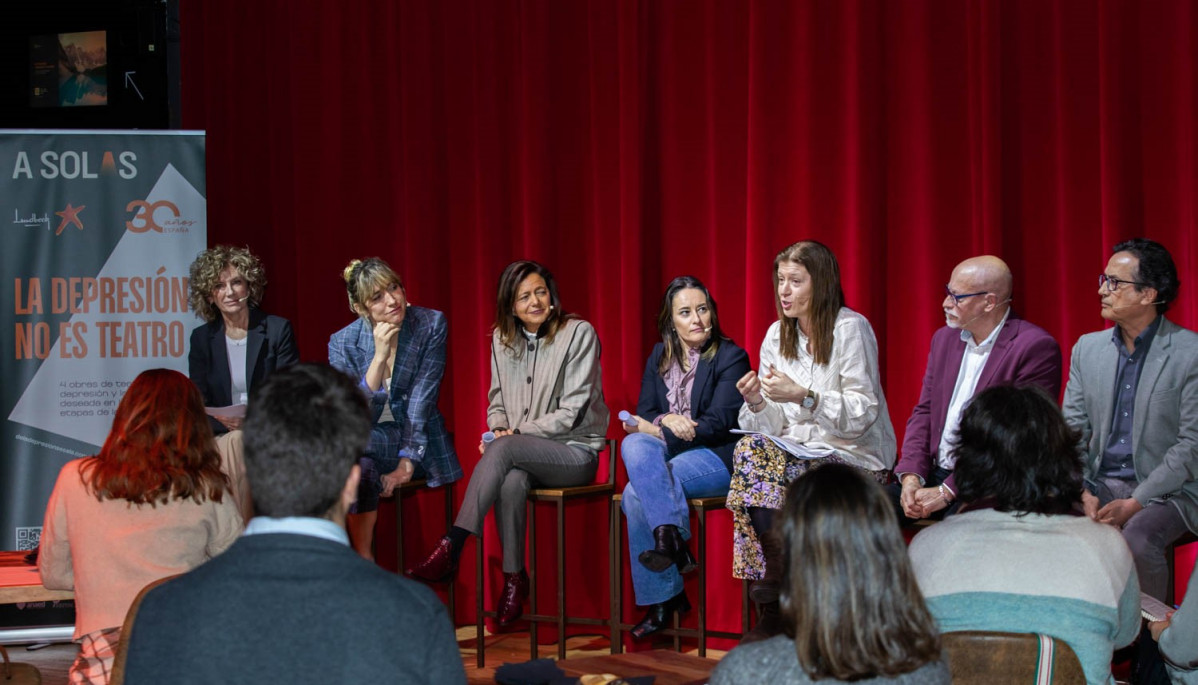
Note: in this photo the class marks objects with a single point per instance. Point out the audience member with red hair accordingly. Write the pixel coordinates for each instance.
(151, 504)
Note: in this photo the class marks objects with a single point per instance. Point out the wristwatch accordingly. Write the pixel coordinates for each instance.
(810, 400)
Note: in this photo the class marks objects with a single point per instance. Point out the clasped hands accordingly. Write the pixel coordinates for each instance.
(682, 427)
(774, 386)
(919, 502)
(401, 475)
(1116, 512)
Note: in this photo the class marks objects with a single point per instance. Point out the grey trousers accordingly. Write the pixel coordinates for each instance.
(509, 467)
(1147, 534)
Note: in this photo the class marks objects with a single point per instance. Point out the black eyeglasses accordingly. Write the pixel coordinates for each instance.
(1112, 284)
(957, 298)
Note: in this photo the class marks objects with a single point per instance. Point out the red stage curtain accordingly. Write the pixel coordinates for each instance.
(623, 143)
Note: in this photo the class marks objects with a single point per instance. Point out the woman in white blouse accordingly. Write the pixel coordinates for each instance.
(816, 399)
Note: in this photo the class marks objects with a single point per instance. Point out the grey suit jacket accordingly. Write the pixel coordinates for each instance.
(1165, 432)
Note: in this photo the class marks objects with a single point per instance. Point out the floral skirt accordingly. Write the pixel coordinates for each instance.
(760, 473)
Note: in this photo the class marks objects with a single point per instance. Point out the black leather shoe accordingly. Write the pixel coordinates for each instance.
(668, 548)
(439, 567)
(658, 616)
(511, 601)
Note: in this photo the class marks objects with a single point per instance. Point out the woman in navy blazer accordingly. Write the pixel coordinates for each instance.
(681, 444)
(236, 349)
(227, 284)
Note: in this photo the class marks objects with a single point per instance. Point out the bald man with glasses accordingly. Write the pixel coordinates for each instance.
(1133, 395)
(983, 343)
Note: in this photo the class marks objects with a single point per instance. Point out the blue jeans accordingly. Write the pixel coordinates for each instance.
(655, 496)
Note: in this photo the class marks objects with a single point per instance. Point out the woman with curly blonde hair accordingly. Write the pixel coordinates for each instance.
(238, 347)
(153, 503)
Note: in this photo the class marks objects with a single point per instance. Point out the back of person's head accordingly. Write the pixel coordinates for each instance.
(305, 428)
(160, 446)
(1015, 451)
(848, 592)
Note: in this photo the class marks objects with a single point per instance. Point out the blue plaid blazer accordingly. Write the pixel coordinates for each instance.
(419, 431)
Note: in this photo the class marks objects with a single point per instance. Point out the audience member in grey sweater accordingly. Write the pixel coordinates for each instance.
(845, 565)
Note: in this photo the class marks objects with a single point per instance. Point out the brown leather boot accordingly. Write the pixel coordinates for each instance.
(765, 591)
(769, 624)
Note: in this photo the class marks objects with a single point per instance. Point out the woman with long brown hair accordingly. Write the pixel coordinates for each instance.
(817, 398)
(153, 503)
(851, 607)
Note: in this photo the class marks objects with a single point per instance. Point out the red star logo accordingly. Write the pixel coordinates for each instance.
(70, 215)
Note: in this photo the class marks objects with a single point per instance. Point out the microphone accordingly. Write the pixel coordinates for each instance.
(627, 418)
(551, 307)
(707, 330)
(1125, 306)
(488, 438)
(244, 298)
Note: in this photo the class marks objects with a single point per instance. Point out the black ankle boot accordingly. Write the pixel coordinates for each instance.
(658, 616)
(668, 549)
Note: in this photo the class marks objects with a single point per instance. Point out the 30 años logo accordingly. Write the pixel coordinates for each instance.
(146, 213)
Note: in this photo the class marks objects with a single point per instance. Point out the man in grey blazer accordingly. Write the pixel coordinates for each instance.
(1133, 394)
(290, 602)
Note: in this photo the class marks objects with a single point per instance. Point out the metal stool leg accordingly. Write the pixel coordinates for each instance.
(701, 521)
(615, 577)
(478, 601)
(453, 604)
(533, 641)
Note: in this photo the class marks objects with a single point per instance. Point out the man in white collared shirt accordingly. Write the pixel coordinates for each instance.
(290, 602)
(984, 343)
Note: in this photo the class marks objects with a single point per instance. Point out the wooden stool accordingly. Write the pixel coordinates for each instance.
(559, 496)
(700, 506)
(410, 488)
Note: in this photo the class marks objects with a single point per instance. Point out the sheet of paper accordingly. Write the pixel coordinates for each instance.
(794, 447)
(1152, 608)
(233, 411)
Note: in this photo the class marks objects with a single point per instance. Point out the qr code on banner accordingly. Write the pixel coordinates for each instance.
(27, 538)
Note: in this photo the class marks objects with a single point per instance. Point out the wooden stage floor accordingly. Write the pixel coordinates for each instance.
(53, 661)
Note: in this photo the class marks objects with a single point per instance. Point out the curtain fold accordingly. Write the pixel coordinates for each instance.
(625, 143)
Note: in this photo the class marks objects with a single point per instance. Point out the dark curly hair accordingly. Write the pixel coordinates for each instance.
(1014, 446)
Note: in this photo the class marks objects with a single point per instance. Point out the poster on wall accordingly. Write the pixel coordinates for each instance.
(99, 230)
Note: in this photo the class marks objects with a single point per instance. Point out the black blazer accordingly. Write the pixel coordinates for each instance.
(271, 346)
(288, 608)
(715, 401)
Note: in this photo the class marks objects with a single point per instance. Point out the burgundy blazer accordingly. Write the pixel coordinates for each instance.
(1024, 354)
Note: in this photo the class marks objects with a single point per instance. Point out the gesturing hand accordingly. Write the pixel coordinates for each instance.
(778, 387)
(749, 387)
